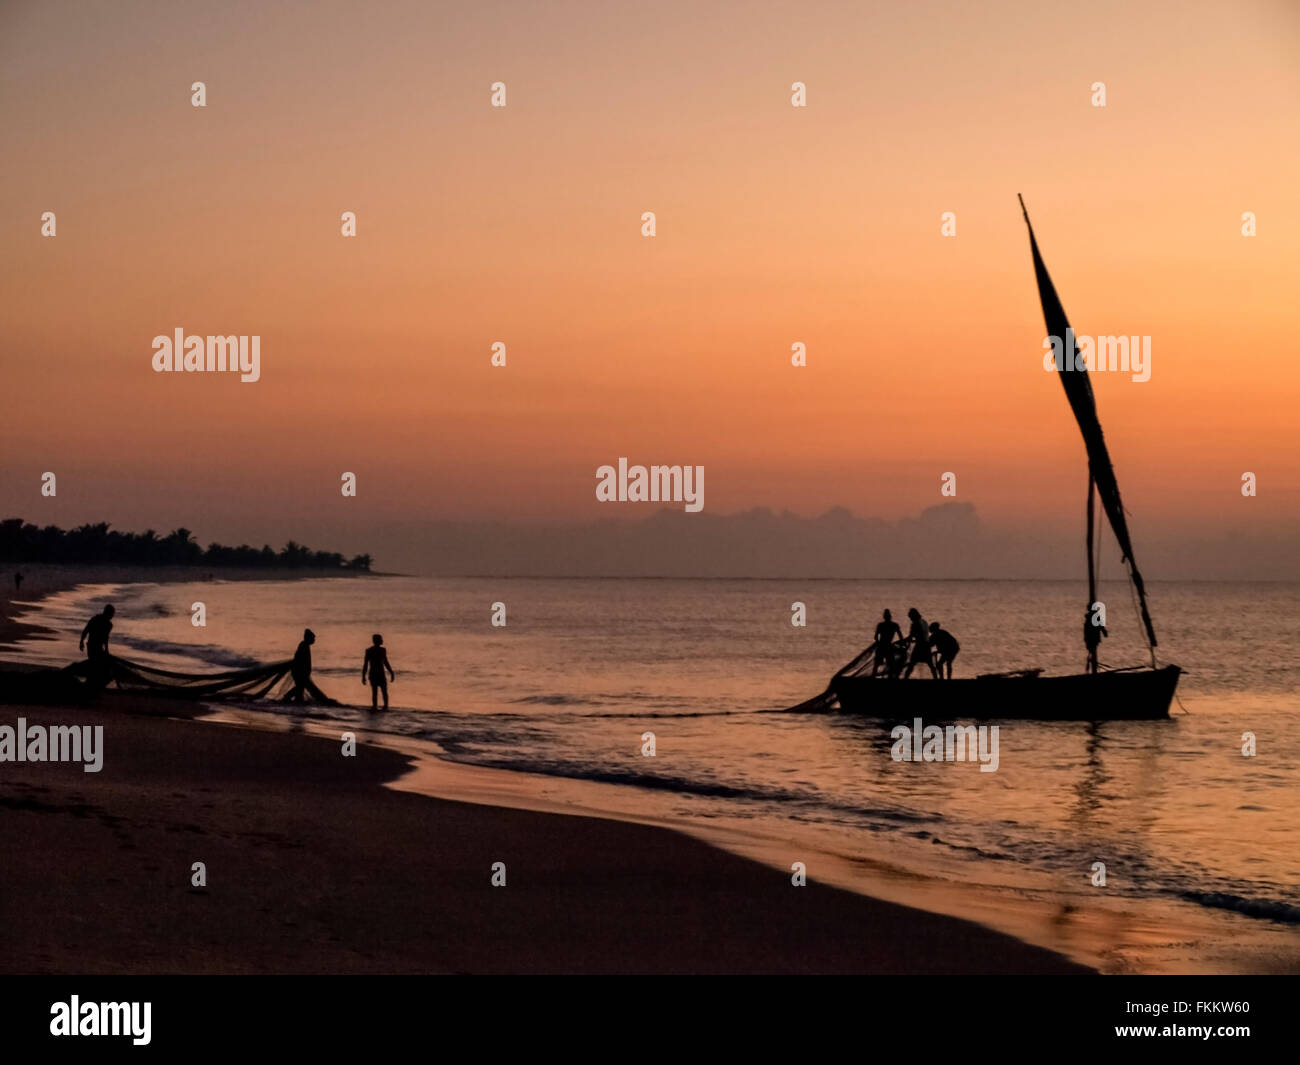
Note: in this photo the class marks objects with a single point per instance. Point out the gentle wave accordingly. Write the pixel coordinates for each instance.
(685, 785)
(209, 653)
(1269, 909)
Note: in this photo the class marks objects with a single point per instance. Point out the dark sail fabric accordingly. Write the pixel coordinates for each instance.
(1078, 390)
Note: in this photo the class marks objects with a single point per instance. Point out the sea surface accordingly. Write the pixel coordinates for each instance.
(1201, 844)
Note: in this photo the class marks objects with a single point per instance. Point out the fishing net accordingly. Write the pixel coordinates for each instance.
(863, 665)
(890, 664)
(256, 682)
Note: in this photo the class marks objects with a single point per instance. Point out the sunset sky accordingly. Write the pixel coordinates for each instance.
(522, 224)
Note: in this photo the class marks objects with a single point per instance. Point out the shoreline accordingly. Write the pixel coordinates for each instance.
(1133, 937)
(322, 863)
(1057, 920)
(1042, 907)
(393, 779)
(43, 579)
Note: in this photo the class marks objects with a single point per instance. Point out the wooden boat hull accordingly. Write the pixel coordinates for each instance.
(1138, 695)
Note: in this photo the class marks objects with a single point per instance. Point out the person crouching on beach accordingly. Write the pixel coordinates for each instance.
(94, 641)
(374, 663)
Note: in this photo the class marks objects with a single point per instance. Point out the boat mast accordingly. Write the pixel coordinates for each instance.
(1092, 581)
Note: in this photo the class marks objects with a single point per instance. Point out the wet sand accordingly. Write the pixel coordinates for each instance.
(313, 866)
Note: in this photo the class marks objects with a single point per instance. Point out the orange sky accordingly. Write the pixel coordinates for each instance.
(522, 224)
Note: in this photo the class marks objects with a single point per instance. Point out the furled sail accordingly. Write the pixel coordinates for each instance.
(1078, 390)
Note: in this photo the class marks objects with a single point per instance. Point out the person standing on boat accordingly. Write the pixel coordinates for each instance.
(887, 631)
(945, 649)
(919, 637)
(1092, 634)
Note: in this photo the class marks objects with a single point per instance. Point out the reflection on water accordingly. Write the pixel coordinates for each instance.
(585, 667)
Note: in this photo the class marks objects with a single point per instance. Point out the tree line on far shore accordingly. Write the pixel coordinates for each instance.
(21, 541)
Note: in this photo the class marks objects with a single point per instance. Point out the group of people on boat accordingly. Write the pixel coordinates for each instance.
(897, 655)
(374, 663)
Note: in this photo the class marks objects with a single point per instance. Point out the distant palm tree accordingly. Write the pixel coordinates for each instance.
(181, 548)
(22, 541)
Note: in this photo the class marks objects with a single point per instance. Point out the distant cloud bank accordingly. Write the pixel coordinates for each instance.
(944, 541)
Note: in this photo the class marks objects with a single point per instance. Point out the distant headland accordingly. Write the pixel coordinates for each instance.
(21, 541)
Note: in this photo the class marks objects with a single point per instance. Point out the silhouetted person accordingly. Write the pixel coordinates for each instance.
(94, 641)
(375, 662)
(18, 582)
(886, 633)
(919, 637)
(1092, 635)
(945, 649)
(301, 669)
(95, 634)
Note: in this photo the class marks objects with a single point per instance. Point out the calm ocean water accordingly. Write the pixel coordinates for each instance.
(584, 667)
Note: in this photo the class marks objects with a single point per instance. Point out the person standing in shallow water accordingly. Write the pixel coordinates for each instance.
(301, 668)
(374, 663)
(919, 637)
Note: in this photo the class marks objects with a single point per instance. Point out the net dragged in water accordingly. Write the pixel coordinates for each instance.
(827, 701)
(256, 682)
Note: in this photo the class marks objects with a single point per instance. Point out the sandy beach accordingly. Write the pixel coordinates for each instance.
(314, 867)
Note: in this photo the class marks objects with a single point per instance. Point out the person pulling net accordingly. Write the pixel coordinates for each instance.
(102, 668)
(892, 656)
